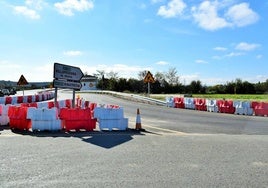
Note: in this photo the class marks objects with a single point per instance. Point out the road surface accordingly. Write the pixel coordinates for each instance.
(180, 148)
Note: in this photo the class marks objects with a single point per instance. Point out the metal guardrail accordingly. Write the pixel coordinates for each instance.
(128, 96)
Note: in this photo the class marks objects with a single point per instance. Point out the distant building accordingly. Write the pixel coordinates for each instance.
(89, 82)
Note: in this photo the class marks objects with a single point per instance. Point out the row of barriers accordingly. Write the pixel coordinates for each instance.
(44, 96)
(51, 116)
(221, 106)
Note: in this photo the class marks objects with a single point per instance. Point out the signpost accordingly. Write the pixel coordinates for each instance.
(66, 76)
(22, 82)
(149, 79)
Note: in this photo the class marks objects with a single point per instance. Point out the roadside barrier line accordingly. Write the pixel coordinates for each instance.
(166, 130)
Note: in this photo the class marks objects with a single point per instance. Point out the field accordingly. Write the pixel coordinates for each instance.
(244, 97)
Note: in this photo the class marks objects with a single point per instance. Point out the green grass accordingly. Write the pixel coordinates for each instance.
(244, 97)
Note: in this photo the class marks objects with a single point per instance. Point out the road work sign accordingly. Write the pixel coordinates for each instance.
(149, 78)
(22, 81)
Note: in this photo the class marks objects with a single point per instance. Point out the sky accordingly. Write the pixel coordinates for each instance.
(214, 41)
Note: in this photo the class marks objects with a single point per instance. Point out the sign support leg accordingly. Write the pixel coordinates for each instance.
(56, 95)
(148, 89)
(73, 98)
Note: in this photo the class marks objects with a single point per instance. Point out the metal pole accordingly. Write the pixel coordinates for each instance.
(56, 95)
(73, 98)
(148, 89)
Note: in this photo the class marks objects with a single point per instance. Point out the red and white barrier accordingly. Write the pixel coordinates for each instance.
(222, 106)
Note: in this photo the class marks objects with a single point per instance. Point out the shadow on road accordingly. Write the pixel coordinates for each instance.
(104, 139)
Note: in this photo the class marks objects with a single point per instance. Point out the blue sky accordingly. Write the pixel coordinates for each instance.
(212, 41)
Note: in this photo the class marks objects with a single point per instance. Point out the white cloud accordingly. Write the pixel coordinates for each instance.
(234, 54)
(243, 46)
(162, 63)
(72, 53)
(156, 1)
(142, 6)
(187, 79)
(241, 15)
(27, 12)
(200, 61)
(259, 56)
(206, 16)
(173, 9)
(123, 70)
(67, 7)
(35, 4)
(4, 65)
(219, 48)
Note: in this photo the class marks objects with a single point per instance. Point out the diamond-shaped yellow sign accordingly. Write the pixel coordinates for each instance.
(149, 78)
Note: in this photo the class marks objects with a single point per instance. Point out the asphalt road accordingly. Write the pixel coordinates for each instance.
(184, 120)
(180, 148)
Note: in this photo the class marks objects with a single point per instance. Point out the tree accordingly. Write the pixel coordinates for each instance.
(100, 74)
(112, 74)
(171, 76)
(160, 77)
(142, 74)
(196, 86)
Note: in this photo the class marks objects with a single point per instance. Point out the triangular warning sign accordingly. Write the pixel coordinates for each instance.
(149, 78)
(22, 81)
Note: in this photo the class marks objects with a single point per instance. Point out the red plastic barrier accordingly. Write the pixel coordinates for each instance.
(87, 104)
(17, 118)
(179, 102)
(77, 119)
(37, 98)
(68, 103)
(34, 104)
(92, 106)
(8, 100)
(254, 104)
(200, 104)
(226, 106)
(20, 99)
(52, 104)
(43, 97)
(261, 109)
(29, 99)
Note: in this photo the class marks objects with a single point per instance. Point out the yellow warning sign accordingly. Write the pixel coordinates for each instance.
(149, 78)
(22, 81)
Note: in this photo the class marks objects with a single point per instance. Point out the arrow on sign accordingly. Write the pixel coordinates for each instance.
(67, 72)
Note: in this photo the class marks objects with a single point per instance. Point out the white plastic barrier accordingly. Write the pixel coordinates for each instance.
(243, 107)
(2, 100)
(14, 100)
(189, 103)
(212, 105)
(44, 119)
(4, 119)
(65, 103)
(42, 105)
(170, 102)
(111, 118)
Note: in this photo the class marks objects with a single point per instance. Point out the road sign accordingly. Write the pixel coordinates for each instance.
(149, 78)
(22, 81)
(66, 84)
(67, 72)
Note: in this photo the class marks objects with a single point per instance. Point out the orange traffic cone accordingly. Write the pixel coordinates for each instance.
(138, 120)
